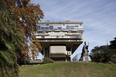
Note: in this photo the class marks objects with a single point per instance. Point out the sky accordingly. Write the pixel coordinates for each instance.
(98, 17)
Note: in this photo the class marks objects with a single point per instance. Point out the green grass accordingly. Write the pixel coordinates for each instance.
(74, 69)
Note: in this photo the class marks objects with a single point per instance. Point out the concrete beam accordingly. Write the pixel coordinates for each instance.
(57, 55)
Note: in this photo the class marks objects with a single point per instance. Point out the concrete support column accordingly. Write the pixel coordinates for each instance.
(66, 59)
(71, 55)
(71, 58)
(44, 52)
(49, 51)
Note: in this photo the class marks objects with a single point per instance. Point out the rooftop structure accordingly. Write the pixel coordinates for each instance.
(59, 39)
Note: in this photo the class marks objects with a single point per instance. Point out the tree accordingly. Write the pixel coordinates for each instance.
(10, 40)
(98, 49)
(33, 47)
(102, 54)
(26, 15)
(18, 20)
(113, 44)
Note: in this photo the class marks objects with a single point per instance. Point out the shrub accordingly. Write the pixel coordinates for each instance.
(103, 56)
(47, 60)
(22, 62)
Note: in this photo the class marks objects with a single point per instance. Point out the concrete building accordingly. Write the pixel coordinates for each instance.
(59, 39)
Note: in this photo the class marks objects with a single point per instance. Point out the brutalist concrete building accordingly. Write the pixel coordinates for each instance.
(59, 39)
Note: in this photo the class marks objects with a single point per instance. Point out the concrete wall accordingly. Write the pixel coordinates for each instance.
(58, 50)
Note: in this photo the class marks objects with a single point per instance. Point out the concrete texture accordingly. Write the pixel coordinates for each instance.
(58, 50)
(58, 38)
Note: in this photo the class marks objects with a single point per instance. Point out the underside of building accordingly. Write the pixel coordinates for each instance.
(59, 39)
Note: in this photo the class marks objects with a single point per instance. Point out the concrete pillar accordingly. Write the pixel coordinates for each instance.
(71, 58)
(48, 52)
(44, 52)
(66, 59)
(71, 55)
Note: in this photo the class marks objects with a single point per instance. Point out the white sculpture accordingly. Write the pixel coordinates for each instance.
(84, 54)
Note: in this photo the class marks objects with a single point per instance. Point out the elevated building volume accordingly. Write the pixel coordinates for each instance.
(59, 39)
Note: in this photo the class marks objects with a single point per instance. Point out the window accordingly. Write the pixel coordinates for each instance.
(42, 36)
(76, 26)
(67, 27)
(59, 28)
(38, 27)
(47, 24)
(72, 27)
(57, 36)
(76, 36)
(51, 27)
(42, 28)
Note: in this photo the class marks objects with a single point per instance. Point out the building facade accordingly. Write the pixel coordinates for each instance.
(59, 39)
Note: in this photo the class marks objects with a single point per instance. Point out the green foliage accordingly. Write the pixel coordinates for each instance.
(25, 15)
(23, 62)
(13, 32)
(10, 40)
(113, 44)
(47, 60)
(102, 54)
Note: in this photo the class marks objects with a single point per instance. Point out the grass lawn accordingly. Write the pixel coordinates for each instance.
(74, 69)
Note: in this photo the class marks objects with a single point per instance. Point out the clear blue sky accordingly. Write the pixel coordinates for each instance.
(98, 17)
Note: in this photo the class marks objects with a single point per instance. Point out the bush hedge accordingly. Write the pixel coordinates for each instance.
(47, 60)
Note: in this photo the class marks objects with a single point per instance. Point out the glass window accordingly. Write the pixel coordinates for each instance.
(47, 24)
(38, 27)
(72, 27)
(59, 28)
(57, 36)
(51, 27)
(76, 26)
(76, 36)
(42, 28)
(67, 27)
(42, 36)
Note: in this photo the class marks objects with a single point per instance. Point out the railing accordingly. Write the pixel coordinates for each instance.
(57, 37)
(56, 29)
